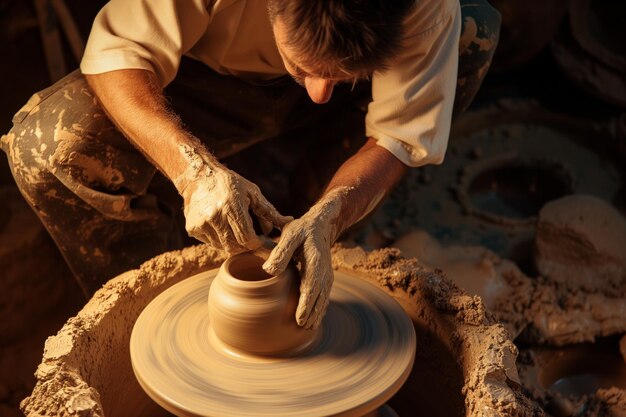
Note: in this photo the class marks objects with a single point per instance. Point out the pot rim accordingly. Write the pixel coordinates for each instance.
(228, 276)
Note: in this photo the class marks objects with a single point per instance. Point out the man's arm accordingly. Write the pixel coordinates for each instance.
(217, 200)
(409, 117)
(367, 177)
(133, 100)
(355, 190)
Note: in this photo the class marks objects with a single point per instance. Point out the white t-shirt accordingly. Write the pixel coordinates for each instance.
(412, 102)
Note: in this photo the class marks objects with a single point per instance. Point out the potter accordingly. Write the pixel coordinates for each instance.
(178, 87)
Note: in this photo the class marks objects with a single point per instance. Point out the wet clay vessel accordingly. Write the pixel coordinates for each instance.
(251, 311)
(245, 355)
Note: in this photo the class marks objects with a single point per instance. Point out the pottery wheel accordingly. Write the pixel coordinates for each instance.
(363, 353)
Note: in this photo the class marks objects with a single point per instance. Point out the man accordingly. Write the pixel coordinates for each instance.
(78, 149)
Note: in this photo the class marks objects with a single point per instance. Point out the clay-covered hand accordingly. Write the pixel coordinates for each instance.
(309, 239)
(217, 203)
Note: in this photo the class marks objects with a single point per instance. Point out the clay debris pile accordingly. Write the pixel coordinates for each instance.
(580, 255)
(581, 244)
(85, 370)
(503, 288)
(579, 295)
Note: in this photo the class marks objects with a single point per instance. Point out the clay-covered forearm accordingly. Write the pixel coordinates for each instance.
(357, 187)
(362, 182)
(134, 101)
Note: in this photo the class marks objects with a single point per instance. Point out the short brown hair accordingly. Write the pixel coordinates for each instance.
(352, 37)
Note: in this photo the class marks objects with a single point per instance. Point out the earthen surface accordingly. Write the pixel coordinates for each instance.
(560, 316)
(538, 310)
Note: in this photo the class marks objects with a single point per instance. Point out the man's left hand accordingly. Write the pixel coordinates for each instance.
(356, 188)
(309, 239)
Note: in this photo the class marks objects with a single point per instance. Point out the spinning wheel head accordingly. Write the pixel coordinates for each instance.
(359, 358)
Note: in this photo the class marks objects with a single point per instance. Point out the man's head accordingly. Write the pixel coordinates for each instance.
(323, 42)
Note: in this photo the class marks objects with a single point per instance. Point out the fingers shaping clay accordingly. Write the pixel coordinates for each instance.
(182, 352)
(253, 312)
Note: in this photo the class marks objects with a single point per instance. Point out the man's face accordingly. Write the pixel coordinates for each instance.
(319, 88)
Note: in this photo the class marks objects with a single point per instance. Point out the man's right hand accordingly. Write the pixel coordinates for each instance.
(217, 209)
(217, 200)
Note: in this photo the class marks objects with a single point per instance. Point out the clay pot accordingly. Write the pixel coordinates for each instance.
(254, 312)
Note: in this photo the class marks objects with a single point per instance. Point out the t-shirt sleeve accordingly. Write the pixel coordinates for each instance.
(144, 34)
(411, 108)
